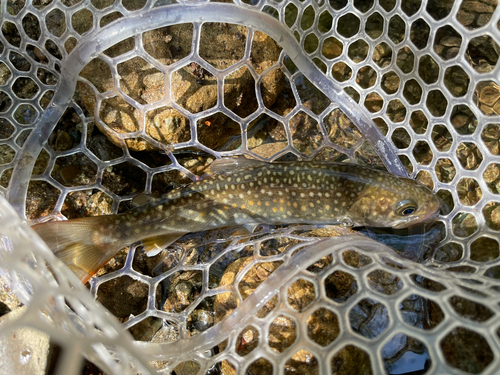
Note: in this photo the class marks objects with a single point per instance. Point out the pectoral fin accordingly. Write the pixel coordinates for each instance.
(245, 229)
(250, 227)
(154, 245)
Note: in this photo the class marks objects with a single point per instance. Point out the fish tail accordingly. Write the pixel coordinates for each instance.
(81, 243)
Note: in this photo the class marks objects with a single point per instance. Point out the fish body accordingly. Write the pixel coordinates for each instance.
(245, 193)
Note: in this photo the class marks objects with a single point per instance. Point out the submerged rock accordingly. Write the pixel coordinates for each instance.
(192, 87)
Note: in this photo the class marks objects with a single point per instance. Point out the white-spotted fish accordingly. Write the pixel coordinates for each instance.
(243, 192)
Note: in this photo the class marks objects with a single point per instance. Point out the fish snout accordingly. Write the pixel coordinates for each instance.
(417, 219)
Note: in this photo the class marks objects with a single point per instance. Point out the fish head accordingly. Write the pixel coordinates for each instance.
(397, 203)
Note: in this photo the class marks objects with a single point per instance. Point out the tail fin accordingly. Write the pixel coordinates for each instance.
(79, 244)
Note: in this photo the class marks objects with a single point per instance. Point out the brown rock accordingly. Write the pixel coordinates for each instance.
(282, 332)
(192, 87)
(41, 199)
(269, 149)
(8, 300)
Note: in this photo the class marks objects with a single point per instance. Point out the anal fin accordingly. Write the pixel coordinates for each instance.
(245, 229)
(250, 227)
(155, 245)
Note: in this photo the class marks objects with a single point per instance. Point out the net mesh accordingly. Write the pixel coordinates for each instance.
(102, 100)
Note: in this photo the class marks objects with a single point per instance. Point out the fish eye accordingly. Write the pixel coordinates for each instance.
(405, 208)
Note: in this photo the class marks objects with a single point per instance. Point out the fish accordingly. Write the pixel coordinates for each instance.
(247, 193)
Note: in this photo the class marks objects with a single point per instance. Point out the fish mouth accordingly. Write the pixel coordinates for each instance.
(410, 221)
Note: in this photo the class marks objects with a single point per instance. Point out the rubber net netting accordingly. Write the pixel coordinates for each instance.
(102, 100)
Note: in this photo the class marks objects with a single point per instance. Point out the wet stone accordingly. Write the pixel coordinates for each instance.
(187, 368)
(268, 131)
(7, 154)
(247, 340)
(269, 149)
(226, 302)
(461, 269)
(69, 174)
(474, 14)
(124, 179)
(382, 55)
(6, 129)
(469, 155)
(464, 224)
(167, 333)
(305, 132)
(340, 286)
(445, 170)
(323, 326)
(183, 289)
(401, 138)
(201, 318)
(449, 252)
(302, 362)
(351, 361)
(493, 272)
(310, 96)
(492, 177)
(405, 354)
(341, 130)
(466, 350)
(384, 282)
(355, 259)
(5, 178)
(301, 294)
(491, 137)
(145, 264)
(421, 312)
(491, 214)
(74, 170)
(442, 138)
(124, 297)
(484, 249)
(369, 318)
(145, 329)
(487, 98)
(470, 309)
(103, 148)
(87, 203)
(260, 366)
(188, 90)
(469, 192)
(41, 199)
(463, 120)
(8, 300)
(282, 333)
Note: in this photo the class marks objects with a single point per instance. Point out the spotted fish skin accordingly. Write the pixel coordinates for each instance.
(261, 193)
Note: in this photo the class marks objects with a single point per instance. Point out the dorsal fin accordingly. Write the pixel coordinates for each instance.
(231, 165)
(143, 198)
